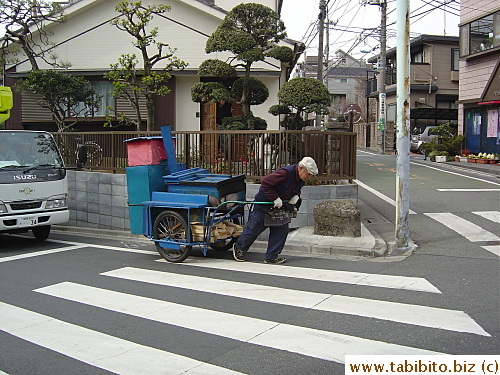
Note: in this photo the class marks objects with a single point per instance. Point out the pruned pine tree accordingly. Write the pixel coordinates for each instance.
(250, 32)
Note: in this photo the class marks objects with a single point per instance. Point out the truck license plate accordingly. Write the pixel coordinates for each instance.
(28, 221)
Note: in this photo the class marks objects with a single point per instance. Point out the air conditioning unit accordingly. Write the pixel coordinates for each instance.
(421, 100)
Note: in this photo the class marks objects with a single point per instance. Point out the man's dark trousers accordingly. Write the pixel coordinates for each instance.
(255, 226)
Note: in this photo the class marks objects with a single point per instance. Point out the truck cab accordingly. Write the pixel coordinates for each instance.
(33, 183)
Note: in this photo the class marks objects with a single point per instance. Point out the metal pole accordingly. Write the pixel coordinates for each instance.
(321, 30)
(381, 78)
(403, 122)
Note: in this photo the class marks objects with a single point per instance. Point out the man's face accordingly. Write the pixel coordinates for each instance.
(304, 175)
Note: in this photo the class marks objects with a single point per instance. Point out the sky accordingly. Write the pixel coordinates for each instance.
(353, 25)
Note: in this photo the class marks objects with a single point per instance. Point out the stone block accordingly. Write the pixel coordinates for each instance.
(105, 178)
(337, 218)
(104, 188)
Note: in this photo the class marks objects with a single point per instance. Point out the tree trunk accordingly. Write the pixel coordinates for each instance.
(245, 102)
(150, 105)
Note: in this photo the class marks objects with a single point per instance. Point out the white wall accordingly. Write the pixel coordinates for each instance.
(185, 114)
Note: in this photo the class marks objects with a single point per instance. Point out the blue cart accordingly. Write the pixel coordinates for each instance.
(190, 207)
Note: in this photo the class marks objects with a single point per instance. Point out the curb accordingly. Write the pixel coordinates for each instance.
(300, 241)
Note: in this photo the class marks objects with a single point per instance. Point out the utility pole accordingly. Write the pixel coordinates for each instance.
(403, 123)
(321, 31)
(381, 78)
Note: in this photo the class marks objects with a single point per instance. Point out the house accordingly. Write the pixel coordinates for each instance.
(479, 64)
(344, 76)
(90, 44)
(433, 80)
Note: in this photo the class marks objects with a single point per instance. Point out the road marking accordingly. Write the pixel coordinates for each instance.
(40, 253)
(397, 312)
(471, 231)
(315, 343)
(468, 190)
(105, 247)
(455, 173)
(380, 195)
(96, 348)
(344, 277)
(490, 215)
(495, 249)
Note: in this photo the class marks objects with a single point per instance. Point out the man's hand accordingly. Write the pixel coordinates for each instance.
(278, 202)
(294, 199)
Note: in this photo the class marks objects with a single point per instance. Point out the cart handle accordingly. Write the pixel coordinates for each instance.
(246, 202)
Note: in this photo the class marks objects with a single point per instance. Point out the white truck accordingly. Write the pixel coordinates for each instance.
(33, 183)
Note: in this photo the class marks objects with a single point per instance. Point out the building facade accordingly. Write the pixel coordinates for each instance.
(433, 81)
(479, 95)
(345, 78)
(90, 44)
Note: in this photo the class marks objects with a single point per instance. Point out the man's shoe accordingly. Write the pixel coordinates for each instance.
(238, 255)
(278, 260)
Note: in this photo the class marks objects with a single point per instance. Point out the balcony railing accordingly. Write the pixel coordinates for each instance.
(253, 153)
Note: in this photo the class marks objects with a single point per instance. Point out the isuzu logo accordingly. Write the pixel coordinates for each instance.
(25, 177)
(26, 191)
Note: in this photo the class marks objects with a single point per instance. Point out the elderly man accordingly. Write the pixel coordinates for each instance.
(283, 184)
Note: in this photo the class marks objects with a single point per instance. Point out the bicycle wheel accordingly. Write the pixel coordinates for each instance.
(170, 225)
(94, 154)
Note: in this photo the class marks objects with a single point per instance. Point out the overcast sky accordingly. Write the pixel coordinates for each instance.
(353, 21)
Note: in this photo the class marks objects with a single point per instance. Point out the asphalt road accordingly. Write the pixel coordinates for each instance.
(95, 305)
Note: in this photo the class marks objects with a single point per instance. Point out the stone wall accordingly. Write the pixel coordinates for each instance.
(99, 200)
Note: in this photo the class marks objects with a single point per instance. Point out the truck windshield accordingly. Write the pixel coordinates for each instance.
(28, 149)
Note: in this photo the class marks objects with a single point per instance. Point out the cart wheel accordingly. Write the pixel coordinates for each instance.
(228, 244)
(172, 226)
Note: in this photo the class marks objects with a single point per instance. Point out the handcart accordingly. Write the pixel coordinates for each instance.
(176, 222)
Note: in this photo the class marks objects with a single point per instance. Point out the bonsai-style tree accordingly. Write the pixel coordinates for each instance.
(304, 95)
(250, 32)
(20, 18)
(132, 82)
(66, 96)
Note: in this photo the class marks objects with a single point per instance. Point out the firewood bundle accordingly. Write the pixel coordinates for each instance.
(222, 230)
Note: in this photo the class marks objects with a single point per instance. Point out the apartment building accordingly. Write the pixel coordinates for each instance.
(479, 63)
(434, 75)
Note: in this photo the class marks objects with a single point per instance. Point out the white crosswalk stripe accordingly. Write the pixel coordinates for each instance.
(345, 277)
(325, 345)
(490, 215)
(115, 354)
(397, 312)
(95, 348)
(469, 230)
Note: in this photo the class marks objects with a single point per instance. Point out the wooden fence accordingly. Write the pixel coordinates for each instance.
(253, 153)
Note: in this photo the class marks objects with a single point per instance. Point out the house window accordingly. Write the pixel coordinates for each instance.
(103, 90)
(417, 56)
(341, 80)
(455, 54)
(480, 35)
(343, 61)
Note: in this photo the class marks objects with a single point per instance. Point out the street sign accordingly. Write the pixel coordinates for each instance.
(354, 109)
(382, 111)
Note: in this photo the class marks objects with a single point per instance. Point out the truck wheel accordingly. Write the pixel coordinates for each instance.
(227, 244)
(41, 233)
(170, 225)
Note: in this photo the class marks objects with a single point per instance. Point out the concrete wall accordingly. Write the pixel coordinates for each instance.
(99, 200)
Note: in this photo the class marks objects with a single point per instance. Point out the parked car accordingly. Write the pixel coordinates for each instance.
(419, 136)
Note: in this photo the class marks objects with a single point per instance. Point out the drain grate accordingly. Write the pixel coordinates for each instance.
(376, 220)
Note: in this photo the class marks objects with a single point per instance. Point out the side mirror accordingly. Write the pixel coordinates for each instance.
(81, 156)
